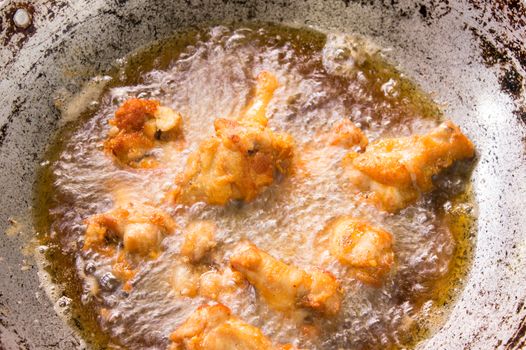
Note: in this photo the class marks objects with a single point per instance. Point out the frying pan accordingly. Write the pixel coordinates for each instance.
(470, 53)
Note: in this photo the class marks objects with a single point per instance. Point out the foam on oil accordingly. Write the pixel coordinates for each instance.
(209, 73)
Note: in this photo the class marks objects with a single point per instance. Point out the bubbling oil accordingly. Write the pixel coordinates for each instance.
(209, 73)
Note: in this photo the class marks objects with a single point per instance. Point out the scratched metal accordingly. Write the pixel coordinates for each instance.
(470, 53)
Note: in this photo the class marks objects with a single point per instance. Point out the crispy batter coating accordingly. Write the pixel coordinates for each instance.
(185, 280)
(133, 113)
(123, 269)
(138, 228)
(345, 133)
(238, 162)
(395, 171)
(362, 246)
(141, 229)
(214, 284)
(129, 148)
(190, 281)
(285, 287)
(266, 84)
(214, 328)
(137, 126)
(199, 240)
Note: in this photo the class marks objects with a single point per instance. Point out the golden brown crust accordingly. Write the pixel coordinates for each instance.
(139, 228)
(134, 113)
(212, 327)
(215, 284)
(359, 245)
(137, 126)
(241, 159)
(395, 171)
(128, 147)
(286, 287)
(266, 84)
(199, 240)
(345, 133)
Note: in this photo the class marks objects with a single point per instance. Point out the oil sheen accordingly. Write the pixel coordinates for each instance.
(209, 73)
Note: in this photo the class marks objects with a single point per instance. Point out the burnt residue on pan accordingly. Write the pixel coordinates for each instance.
(20, 20)
(518, 340)
(433, 10)
(8, 331)
(16, 108)
(511, 12)
(429, 11)
(520, 112)
(498, 46)
(500, 29)
(494, 21)
(18, 32)
(511, 81)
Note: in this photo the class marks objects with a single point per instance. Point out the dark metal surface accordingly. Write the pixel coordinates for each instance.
(471, 53)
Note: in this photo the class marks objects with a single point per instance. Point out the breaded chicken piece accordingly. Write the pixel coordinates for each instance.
(141, 229)
(346, 134)
(185, 280)
(138, 124)
(285, 287)
(266, 84)
(240, 161)
(214, 284)
(361, 246)
(130, 148)
(199, 240)
(212, 327)
(395, 171)
(190, 281)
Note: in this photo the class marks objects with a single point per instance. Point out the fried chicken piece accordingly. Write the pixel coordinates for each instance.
(212, 327)
(122, 268)
(199, 240)
(266, 84)
(137, 126)
(362, 246)
(185, 280)
(395, 171)
(130, 148)
(286, 287)
(141, 229)
(239, 162)
(345, 133)
(214, 284)
(190, 281)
